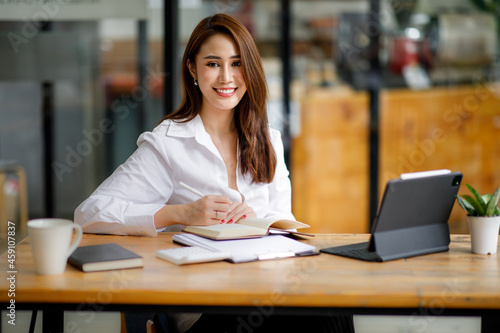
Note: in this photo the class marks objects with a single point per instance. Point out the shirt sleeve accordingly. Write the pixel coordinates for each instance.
(280, 189)
(125, 203)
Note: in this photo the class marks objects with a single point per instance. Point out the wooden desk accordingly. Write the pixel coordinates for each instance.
(450, 283)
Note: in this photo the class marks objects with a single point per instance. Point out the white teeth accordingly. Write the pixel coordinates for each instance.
(225, 91)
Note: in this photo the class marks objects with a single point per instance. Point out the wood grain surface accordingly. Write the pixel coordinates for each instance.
(456, 128)
(456, 279)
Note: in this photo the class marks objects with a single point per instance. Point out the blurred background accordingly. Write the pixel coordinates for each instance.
(362, 91)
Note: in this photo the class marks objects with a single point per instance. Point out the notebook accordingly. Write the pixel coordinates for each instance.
(412, 219)
(92, 258)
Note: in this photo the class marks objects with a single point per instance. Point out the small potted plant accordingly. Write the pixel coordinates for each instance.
(483, 216)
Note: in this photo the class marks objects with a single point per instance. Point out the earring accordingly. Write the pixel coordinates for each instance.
(195, 83)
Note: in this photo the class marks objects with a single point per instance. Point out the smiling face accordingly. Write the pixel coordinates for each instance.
(219, 74)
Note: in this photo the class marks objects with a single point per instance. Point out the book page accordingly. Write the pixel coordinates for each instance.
(226, 230)
(265, 223)
(257, 222)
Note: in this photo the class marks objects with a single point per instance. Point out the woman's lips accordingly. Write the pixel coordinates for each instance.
(225, 92)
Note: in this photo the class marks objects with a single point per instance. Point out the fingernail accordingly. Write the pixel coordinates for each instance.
(222, 222)
(244, 217)
(230, 221)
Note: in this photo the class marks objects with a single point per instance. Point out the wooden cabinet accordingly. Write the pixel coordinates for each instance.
(456, 128)
(329, 168)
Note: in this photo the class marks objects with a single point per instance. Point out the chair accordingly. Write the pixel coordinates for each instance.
(150, 326)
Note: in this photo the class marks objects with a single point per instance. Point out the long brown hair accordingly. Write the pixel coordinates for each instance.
(257, 155)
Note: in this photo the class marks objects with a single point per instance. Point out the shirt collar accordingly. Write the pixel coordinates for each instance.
(188, 129)
(193, 128)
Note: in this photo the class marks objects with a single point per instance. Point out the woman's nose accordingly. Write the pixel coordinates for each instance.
(225, 74)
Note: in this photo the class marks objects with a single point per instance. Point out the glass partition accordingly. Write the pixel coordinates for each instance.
(424, 96)
(72, 104)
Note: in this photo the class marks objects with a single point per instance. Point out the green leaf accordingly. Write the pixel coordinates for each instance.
(479, 210)
(466, 206)
(479, 200)
(481, 4)
(486, 198)
(486, 5)
(492, 204)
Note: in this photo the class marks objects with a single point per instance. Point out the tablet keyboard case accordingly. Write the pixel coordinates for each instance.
(413, 217)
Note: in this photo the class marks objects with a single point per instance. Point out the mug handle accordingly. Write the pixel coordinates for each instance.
(76, 241)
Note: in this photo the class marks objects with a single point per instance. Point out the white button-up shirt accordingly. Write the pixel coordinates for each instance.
(125, 203)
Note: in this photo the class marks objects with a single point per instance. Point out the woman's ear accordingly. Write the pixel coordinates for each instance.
(192, 68)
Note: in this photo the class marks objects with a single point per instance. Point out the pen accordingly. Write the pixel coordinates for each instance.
(192, 190)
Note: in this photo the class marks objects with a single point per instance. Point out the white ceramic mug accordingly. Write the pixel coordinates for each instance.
(50, 240)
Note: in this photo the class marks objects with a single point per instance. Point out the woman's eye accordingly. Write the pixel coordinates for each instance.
(237, 63)
(212, 64)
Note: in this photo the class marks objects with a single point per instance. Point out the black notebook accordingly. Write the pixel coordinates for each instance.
(412, 219)
(103, 257)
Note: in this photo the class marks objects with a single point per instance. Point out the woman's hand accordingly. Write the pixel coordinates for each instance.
(211, 209)
(238, 211)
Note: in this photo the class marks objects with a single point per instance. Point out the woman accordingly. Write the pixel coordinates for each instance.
(218, 142)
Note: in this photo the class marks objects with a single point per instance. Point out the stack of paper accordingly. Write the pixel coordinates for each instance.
(244, 250)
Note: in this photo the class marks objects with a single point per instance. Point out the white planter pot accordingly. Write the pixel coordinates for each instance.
(484, 234)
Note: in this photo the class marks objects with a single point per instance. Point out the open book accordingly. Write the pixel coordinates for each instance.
(246, 228)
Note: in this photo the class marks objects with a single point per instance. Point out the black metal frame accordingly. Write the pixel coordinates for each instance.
(48, 139)
(170, 51)
(285, 51)
(48, 146)
(142, 63)
(374, 95)
(53, 313)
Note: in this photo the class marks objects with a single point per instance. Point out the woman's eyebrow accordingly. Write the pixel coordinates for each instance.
(237, 56)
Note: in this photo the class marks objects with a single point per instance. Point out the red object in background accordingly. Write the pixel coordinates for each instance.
(403, 52)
